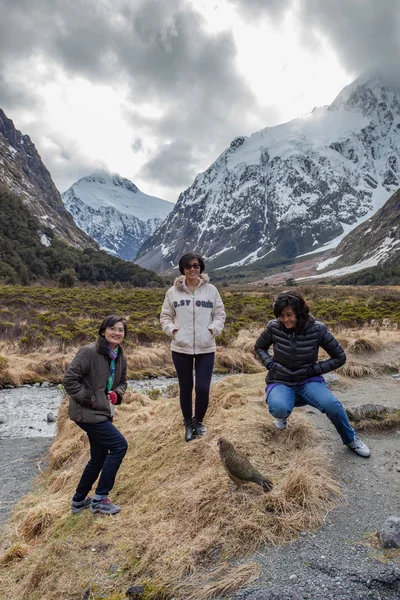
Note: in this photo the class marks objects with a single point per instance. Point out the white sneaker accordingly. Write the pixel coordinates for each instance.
(280, 424)
(359, 447)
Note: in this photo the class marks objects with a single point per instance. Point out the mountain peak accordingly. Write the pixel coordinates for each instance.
(372, 91)
(114, 212)
(106, 178)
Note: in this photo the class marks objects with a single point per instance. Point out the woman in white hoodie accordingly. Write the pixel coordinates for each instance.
(193, 315)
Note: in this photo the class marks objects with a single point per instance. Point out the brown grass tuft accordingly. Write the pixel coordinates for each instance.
(355, 369)
(222, 581)
(228, 359)
(374, 417)
(15, 553)
(37, 519)
(181, 522)
(364, 345)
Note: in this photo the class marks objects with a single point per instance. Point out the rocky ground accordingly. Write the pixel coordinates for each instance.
(342, 560)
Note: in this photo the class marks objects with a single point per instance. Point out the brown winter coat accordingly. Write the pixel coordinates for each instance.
(86, 379)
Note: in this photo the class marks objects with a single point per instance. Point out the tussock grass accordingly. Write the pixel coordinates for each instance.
(355, 369)
(14, 553)
(374, 417)
(222, 581)
(361, 345)
(180, 521)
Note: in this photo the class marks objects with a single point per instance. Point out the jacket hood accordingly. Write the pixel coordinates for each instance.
(180, 282)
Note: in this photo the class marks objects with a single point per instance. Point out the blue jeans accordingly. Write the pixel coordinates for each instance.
(282, 399)
(107, 449)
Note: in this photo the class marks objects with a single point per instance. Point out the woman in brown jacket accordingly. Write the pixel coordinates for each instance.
(95, 381)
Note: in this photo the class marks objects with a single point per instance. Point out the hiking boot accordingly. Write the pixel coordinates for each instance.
(77, 507)
(359, 447)
(199, 428)
(280, 424)
(190, 433)
(105, 507)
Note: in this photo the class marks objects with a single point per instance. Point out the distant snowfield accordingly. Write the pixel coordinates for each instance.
(380, 253)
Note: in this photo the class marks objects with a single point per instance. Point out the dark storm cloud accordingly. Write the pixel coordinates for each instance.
(160, 50)
(172, 166)
(364, 33)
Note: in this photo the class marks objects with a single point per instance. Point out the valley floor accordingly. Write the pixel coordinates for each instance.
(341, 560)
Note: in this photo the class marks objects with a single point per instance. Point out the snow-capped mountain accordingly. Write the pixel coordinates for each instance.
(23, 173)
(374, 242)
(289, 189)
(114, 212)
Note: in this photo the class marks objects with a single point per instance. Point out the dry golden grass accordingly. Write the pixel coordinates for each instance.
(14, 553)
(355, 369)
(180, 519)
(374, 417)
(361, 345)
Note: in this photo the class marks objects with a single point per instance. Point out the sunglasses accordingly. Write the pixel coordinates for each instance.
(193, 266)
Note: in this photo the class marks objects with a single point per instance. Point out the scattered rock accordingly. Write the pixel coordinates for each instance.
(331, 379)
(368, 411)
(51, 418)
(389, 534)
(135, 592)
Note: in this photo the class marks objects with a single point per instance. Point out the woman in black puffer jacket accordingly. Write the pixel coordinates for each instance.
(295, 376)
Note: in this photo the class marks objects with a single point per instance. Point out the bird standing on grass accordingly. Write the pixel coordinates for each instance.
(239, 468)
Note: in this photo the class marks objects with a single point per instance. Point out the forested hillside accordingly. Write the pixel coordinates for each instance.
(29, 252)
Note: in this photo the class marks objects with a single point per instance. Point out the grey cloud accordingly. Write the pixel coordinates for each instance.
(160, 50)
(172, 166)
(254, 9)
(363, 34)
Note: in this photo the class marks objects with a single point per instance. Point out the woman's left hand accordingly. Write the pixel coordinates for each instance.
(112, 396)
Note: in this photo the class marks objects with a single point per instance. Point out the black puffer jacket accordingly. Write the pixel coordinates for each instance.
(295, 357)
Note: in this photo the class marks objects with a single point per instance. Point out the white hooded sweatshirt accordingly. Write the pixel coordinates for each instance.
(197, 316)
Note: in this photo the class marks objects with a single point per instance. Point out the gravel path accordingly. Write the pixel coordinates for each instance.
(337, 561)
(20, 462)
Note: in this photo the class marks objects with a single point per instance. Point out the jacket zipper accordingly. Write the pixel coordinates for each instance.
(194, 327)
(293, 347)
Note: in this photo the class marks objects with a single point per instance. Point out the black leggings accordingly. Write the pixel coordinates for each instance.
(203, 365)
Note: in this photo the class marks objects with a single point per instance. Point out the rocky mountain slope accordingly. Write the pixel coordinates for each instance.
(114, 212)
(24, 174)
(289, 189)
(374, 242)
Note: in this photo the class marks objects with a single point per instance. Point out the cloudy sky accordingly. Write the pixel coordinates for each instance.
(156, 89)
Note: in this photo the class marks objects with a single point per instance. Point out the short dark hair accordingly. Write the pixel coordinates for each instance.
(186, 258)
(295, 300)
(110, 322)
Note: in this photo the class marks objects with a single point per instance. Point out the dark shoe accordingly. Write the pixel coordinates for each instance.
(199, 428)
(77, 507)
(105, 506)
(190, 433)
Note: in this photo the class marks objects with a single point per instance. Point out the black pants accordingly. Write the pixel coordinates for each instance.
(203, 366)
(107, 449)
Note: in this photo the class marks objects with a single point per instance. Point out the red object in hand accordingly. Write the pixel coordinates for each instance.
(113, 397)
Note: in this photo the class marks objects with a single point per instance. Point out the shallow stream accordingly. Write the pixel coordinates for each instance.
(24, 410)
